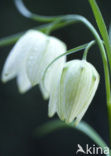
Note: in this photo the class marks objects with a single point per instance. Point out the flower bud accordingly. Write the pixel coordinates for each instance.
(77, 87)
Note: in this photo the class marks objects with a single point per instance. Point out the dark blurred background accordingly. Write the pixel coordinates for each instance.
(21, 114)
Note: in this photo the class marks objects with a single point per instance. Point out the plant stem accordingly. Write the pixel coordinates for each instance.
(87, 49)
(103, 54)
(71, 51)
(104, 33)
(5, 41)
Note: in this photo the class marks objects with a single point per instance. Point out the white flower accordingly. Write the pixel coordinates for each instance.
(37, 63)
(77, 87)
(29, 58)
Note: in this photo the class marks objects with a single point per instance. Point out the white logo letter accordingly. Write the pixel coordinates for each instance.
(80, 149)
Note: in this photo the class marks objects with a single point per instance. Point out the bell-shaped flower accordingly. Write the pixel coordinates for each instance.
(29, 58)
(77, 87)
(39, 59)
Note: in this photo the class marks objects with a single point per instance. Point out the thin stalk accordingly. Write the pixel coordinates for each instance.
(103, 54)
(25, 12)
(87, 49)
(9, 40)
(104, 33)
(5, 41)
(71, 51)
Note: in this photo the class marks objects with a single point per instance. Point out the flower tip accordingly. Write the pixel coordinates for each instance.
(3, 81)
(4, 78)
(45, 97)
(22, 91)
(33, 83)
(50, 115)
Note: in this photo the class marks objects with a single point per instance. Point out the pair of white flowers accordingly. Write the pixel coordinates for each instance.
(70, 86)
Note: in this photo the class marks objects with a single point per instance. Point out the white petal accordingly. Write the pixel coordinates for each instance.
(67, 87)
(55, 49)
(38, 60)
(35, 59)
(77, 88)
(54, 86)
(23, 82)
(18, 54)
(89, 98)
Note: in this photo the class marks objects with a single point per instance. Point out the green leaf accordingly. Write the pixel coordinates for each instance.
(102, 28)
(110, 33)
(83, 127)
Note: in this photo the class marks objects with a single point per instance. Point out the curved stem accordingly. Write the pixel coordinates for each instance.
(5, 41)
(104, 33)
(25, 12)
(87, 49)
(83, 127)
(74, 50)
(105, 63)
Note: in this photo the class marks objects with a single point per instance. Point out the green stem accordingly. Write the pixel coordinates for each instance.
(44, 28)
(83, 127)
(71, 51)
(25, 12)
(105, 64)
(83, 20)
(104, 34)
(5, 41)
(87, 49)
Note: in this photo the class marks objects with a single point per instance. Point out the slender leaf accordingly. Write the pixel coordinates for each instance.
(102, 27)
(83, 127)
(110, 33)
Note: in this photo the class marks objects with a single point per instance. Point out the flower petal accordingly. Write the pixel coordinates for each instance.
(78, 85)
(39, 60)
(18, 54)
(23, 82)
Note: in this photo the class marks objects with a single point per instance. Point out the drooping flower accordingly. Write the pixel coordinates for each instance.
(36, 66)
(29, 58)
(77, 87)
